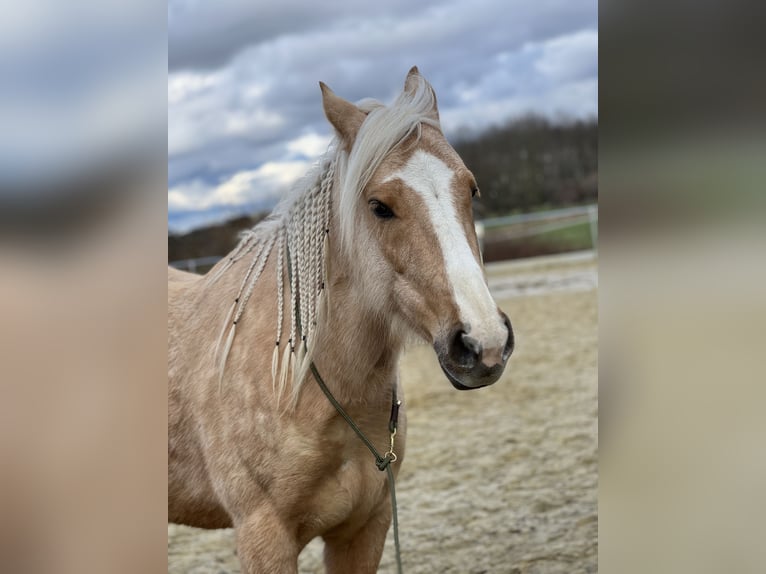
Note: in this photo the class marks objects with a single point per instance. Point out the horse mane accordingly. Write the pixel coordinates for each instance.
(298, 231)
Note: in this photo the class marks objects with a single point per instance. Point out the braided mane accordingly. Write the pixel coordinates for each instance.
(297, 234)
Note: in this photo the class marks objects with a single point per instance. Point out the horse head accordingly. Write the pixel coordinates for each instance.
(406, 220)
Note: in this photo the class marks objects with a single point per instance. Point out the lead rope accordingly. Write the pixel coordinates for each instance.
(382, 462)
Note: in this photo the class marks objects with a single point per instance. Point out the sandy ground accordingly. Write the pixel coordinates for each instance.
(502, 480)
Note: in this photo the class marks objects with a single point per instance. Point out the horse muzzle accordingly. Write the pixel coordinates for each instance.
(468, 363)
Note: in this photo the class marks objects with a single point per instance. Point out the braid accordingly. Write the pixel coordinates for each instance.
(264, 255)
(237, 299)
(314, 269)
(300, 236)
(325, 232)
(244, 241)
(293, 280)
(317, 236)
(249, 271)
(280, 305)
(324, 221)
(238, 253)
(280, 282)
(259, 260)
(302, 270)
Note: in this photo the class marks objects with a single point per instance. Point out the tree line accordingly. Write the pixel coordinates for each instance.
(528, 164)
(531, 164)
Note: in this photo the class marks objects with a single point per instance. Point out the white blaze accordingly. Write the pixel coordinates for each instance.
(431, 179)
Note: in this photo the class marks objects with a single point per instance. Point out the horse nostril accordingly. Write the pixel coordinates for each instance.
(465, 350)
(471, 344)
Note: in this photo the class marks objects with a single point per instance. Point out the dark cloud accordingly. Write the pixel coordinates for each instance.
(205, 35)
(243, 77)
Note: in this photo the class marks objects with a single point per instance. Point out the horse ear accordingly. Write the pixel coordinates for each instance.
(411, 75)
(411, 85)
(344, 116)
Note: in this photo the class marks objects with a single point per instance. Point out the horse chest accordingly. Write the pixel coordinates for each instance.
(340, 484)
(344, 497)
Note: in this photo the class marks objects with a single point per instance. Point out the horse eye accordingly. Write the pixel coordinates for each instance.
(474, 191)
(381, 210)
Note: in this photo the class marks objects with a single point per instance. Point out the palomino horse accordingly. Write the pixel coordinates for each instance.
(374, 247)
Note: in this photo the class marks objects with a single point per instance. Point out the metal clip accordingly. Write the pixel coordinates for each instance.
(391, 454)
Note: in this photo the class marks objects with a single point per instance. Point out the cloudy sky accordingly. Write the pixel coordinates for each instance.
(244, 110)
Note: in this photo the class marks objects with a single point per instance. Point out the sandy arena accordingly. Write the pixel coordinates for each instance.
(501, 480)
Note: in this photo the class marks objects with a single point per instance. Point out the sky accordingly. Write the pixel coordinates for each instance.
(245, 118)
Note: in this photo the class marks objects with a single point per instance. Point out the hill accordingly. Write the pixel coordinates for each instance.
(529, 164)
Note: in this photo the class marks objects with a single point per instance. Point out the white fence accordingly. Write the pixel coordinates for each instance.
(530, 224)
(509, 227)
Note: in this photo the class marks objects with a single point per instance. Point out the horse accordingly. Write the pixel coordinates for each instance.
(373, 249)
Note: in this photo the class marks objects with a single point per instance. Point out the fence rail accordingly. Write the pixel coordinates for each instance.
(538, 216)
(196, 262)
(508, 227)
(530, 224)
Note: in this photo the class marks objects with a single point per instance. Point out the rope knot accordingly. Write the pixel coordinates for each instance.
(382, 463)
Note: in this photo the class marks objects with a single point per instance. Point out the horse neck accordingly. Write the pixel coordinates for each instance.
(357, 350)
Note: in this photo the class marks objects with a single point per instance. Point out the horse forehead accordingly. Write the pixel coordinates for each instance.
(425, 173)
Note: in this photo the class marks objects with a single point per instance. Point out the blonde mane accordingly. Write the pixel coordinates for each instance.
(298, 232)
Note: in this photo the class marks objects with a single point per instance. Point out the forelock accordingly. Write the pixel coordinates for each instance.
(382, 131)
